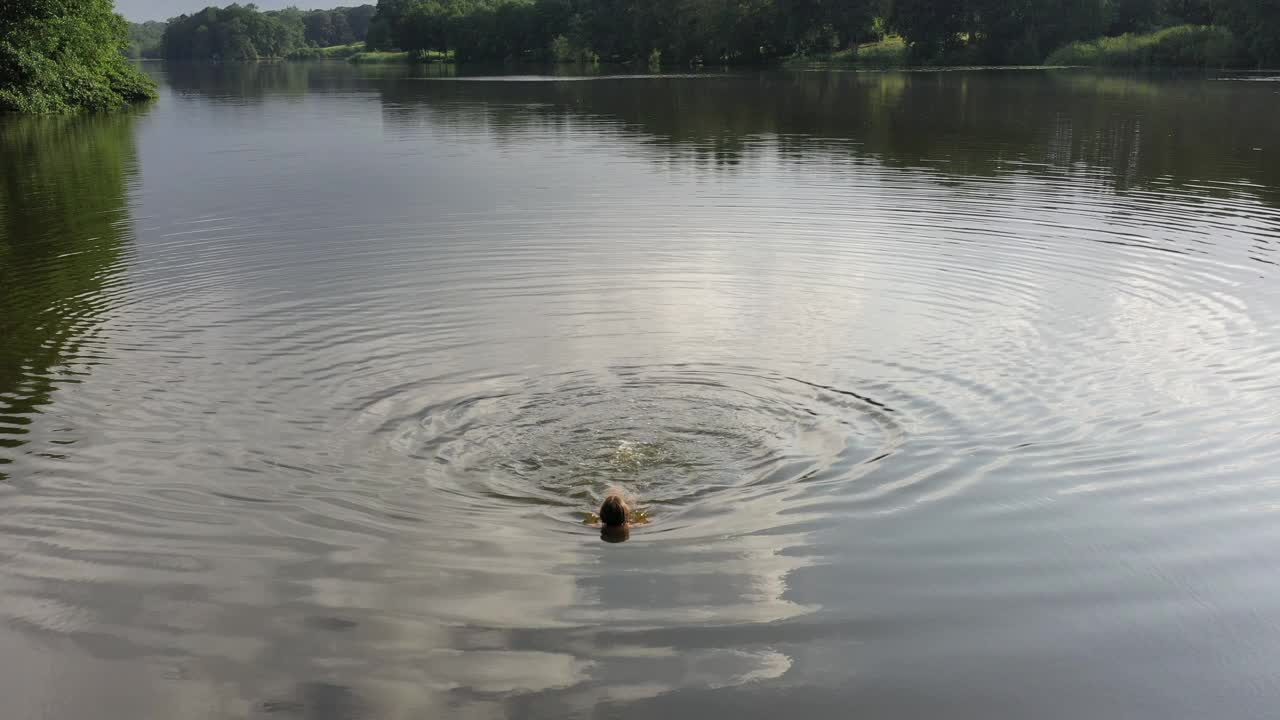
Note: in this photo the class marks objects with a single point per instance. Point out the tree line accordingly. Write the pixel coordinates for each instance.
(658, 31)
(1026, 31)
(242, 32)
(701, 31)
(745, 31)
(145, 39)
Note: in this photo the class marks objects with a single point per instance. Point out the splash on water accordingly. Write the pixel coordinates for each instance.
(634, 456)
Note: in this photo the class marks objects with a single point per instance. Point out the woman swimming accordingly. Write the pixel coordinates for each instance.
(615, 519)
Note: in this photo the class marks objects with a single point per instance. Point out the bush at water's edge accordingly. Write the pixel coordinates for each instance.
(1191, 46)
(59, 57)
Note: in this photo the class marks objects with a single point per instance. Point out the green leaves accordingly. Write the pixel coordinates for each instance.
(243, 33)
(1180, 46)
(59, 56)
(1256, 23)
(649, 31)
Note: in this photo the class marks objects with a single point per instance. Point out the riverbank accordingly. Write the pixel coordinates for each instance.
(335, 52)
(376, 57)
(1182, 46)
(889, 52)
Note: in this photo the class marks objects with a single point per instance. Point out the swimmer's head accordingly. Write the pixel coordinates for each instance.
(614, 512)
(615, 533)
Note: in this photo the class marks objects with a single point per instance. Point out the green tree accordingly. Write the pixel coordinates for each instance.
(821, 25)
(1256, 23)
(319, 29)
(930, 27)
(236, 32)
(145, 39)
(358, 19)
(1187, 12)
(1025, 31)
(1126, 16)
(66, 55)
(388, 27)
(739, 31)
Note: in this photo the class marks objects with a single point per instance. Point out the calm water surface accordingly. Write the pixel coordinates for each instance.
(949, 394)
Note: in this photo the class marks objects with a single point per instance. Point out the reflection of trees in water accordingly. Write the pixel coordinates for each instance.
(242, 83)
(63, 221)
(1136, 131)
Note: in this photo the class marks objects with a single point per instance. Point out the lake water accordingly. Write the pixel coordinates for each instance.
(949, 394)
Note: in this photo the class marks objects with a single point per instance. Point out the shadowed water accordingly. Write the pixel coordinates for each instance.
(947, 394)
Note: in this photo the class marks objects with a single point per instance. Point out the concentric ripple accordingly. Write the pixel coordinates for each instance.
(686, 441)
(934, 386)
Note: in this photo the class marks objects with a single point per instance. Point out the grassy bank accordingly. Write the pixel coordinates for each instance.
(390, 58)
(893, 52)
(379, 58)
(336, 52)
(1182, 46)
(889, 52)
(1188, 46)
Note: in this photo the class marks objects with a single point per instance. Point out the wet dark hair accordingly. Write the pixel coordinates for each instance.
(615, 533)
(613, 512)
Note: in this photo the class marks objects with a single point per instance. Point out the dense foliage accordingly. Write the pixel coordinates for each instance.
(236, 32)
(652, 30)
(1181, 46)
(145, 39)
(1025, 31)
(242, 32)
(1257, 24)
(728, 31)
(717, 31)
(340, 26)
(65, 55)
